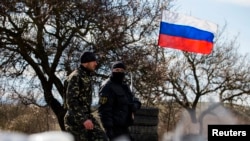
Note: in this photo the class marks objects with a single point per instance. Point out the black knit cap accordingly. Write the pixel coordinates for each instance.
(118, 64)
(87, 57)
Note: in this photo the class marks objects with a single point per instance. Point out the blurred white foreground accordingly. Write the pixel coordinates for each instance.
(186, 130)
(12, 136)
(44, 136)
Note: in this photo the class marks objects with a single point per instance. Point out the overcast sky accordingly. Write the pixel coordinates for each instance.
(236, 13)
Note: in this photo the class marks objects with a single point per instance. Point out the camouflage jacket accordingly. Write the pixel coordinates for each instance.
(79, 95)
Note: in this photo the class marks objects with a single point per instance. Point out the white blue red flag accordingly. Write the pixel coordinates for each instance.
(186, 33)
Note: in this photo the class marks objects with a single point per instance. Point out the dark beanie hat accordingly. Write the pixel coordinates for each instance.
(87, 57)
(118, 64)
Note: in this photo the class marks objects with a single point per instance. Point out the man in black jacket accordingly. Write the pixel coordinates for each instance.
(117, 104)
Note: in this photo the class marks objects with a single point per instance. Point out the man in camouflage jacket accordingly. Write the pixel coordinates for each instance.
(79, 119)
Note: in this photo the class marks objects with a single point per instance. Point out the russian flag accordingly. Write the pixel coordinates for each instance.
(186, 33)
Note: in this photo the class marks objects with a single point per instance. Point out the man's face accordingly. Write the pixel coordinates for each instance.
(118, 70)
(91, 65)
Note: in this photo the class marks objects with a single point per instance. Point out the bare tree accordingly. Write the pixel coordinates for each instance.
(224, 75)
(41, 42)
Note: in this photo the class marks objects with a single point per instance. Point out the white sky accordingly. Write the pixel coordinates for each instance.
(236, 13)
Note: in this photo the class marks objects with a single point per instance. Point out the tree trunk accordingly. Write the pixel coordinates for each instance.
(59, 111)
(192, 114)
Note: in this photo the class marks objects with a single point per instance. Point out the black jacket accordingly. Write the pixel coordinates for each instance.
(116, 105)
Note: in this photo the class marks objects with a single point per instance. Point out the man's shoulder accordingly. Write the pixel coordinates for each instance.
(74, 73)
(74, 76)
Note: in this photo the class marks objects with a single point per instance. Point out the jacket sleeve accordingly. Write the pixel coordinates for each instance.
(106, 102)
(74, 101)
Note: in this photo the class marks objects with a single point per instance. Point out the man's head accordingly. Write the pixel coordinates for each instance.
(118, 71)
(88, 60)
(118, 65)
